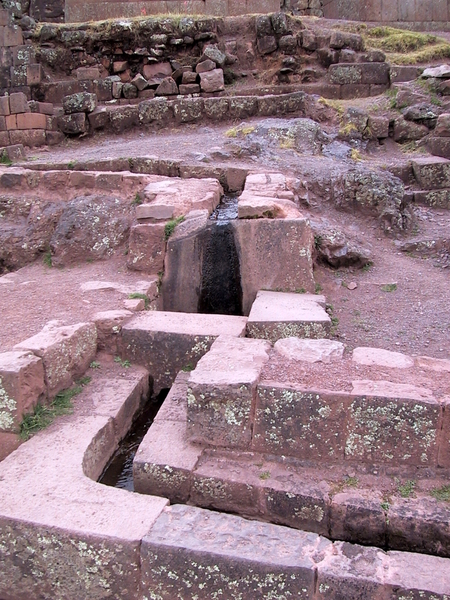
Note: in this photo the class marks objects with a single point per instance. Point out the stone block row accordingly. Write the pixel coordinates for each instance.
(71, 538)
(296, 494)
(378, 422)
(432, 175)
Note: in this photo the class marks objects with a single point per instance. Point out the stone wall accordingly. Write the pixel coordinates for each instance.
(87, 10)
(407, 11)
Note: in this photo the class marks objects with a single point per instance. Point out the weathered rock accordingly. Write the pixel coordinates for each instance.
(267, 44)
(441, 72)
(167, 87)
(21, 387)
(377, 193)
(213, 53)
(335, 248)
(378, 127)
(212, 81)
(66, 352)
(80, 102)
(167, 342)
(341, 39)
(432, 173)
(354, 516)
(277, 315)
(422, 113)
(382, 358)
(222, 391)
(156, 110)
(205, 66)
(439, 146)
(91, 227)
(73, 124)
(146, 248)
(309, 350)
(443, 125)
(407, 131)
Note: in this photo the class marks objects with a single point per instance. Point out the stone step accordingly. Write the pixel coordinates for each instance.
(389, 508)
(276, 315)
(168, 342)
(437, 198)
(432, 172)
(214, 555)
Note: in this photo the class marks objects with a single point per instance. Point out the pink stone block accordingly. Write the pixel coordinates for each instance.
(21, 387)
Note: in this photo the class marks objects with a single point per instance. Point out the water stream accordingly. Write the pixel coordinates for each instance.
(119, 471)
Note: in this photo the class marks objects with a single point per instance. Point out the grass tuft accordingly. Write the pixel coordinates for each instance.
(139, 296)
(442, 494)
(44, 415)
(170, 226)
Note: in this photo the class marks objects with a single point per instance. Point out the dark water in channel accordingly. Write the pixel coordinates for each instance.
(119, 471)
(227, 210)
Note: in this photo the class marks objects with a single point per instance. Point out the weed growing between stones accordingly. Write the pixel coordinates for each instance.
(137, 200)
(94, 365)
(43, 415)
(5, 160)
(442, 494)
(170, 226)
(406, 490)
(389, 287)
(264, 475)
(139, 296)
(48, 259)
(123, 363)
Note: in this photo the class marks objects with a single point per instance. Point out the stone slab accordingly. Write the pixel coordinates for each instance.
(70, 537)
(167, 342)
(66, 352)
(276, 315)
(434, 198)
(165, 460)
(261, 243)
(22, 386)
(109, 325)
(431, 172)
(256, 560)
(382, 358)
(307, 350)
(305, 424)
(222, 392)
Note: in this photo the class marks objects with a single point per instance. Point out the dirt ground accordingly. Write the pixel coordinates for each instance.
(413, 318)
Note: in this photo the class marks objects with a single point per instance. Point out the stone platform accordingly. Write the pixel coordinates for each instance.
(167, 342)
(70, 538)
(277, 315)
(354, 467)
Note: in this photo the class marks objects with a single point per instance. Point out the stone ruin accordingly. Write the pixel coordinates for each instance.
(267, 471)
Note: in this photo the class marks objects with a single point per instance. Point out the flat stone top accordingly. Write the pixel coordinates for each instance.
(203, 531)
(187, 323)
(43, 481)
(387, 389)
(52, 333)
(272, 307)
(14, 361)
(430, 160)
(230, 361)
(382, 358)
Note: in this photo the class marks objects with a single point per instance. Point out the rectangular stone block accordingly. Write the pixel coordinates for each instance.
(147, 248)
(5, 77)
(18, 103)
(11, 122)
(279, 315)
(440, 11)
(66, 352)
(444, 437)
(31, 121)
(392, 430)
(3, 124)
(35, 74)
(356, 517)
(4, 106)
(168, 342)
(4, 140)
(28, 137)
(261, 243)
(419, 525)
(432, 173)
(222, 392)
(209, 552)
(301, 507)
(375, 73)
(23, 55)
(307, 425)
(21, 387)
(18, 76)
(13, 35)
(435, 198)
(439, 146)
(345, 74)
